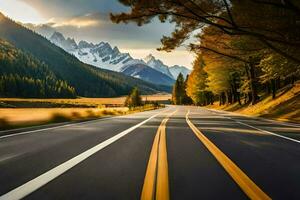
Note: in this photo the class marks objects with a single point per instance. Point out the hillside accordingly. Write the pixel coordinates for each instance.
(285, 107)
(87, 80)
(21, 75)
(147, 73)
(104, 56)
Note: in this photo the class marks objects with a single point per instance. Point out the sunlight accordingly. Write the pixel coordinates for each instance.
(177, 57)
(15, 10)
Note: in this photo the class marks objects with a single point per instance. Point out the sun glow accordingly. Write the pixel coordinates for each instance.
(20, 11)
(177, 57)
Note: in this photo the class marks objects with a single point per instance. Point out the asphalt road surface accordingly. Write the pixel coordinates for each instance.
(178, 152)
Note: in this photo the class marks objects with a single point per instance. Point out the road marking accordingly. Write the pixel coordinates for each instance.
(156, 182)
(267, 132)
(56, 127)
(244, 182)
(290, 124)
(31, 186)
(264, 131)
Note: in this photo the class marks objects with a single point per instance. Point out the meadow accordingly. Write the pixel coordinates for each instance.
(19, 112)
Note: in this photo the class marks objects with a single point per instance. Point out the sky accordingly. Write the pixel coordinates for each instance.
(89, 20)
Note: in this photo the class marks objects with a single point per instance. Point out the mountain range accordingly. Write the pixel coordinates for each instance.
(103, 55)
(64, 70)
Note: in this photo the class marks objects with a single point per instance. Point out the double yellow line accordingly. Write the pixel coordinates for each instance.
(156, 182)
(244, 182)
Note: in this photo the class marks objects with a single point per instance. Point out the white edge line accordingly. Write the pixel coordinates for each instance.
(268, 132)
(31, 186)
(264, 131)
(56, 127)
(290, 124)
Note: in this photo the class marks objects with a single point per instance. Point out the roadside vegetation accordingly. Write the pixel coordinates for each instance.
(285, 107)
(134, 102)
(18, 113)
(247, 52)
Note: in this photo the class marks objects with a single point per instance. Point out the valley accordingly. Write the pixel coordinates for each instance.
(80, 78)
(104, 56)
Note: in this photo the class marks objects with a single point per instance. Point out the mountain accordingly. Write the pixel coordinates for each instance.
(87, 80)
(175, 70)
(22, 75)
(102, 55)
(144, 72)
(67, 44)
(45, 30)
(158, 65)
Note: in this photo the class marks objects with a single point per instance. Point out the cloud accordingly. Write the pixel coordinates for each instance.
(77, 23)
(87, 20)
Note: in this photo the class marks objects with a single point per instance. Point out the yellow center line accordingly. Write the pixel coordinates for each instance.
(156, 182)
(244, 182)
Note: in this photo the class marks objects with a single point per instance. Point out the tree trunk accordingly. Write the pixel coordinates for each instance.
(273, 86)
(253, 84)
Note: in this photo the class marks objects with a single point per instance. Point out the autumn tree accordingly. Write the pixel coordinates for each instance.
(197, 87)
(247, 45)
(273, 23)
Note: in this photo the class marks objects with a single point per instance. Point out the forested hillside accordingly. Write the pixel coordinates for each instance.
(246, 50)
(87, 80)
(21, 75)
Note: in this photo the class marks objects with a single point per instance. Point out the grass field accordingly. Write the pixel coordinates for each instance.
(23, 117)
(17, 112)
(285, 107)
(78, 103)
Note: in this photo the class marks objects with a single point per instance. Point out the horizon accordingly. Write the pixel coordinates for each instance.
(92, 24)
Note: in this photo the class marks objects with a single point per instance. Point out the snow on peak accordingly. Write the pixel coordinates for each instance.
(176, 70)
(149, 58)
(103, 55)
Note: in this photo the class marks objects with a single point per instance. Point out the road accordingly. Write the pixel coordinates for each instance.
(179, 152)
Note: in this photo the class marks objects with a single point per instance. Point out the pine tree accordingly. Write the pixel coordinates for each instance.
(179, 94)
(134, 99)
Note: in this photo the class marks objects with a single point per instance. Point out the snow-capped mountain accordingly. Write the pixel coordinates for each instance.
(100, 55)
(67, 44)
(157, 65)
(146, 73)
(103, 55)
(176, 70)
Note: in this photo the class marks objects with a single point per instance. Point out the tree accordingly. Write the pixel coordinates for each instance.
(247, 45)
(134, 99)
(197, 88)
(276, 67)
(178, 94)
(272, 23)
(186, 99)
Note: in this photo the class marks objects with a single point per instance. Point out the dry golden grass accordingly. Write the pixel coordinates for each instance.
(94, 102)
(157, 97)
(285, 107)
(22, 117)
(41, 111)
(37, 115)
